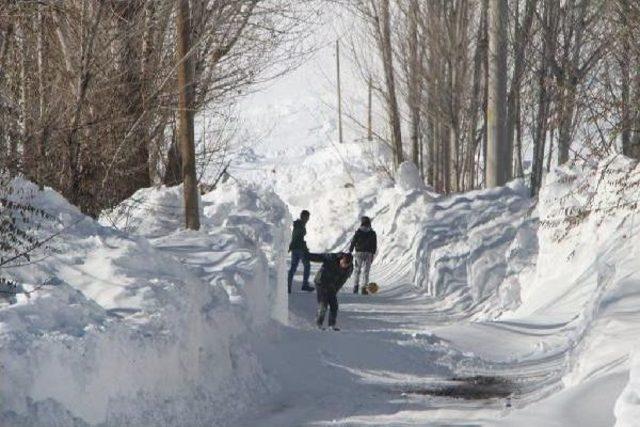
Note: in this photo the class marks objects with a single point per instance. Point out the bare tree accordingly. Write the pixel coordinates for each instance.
(90, 105)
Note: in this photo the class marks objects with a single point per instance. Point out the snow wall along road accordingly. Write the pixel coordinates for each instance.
(147, 324)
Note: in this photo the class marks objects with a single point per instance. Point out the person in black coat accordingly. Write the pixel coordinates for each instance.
(365, 242)
(333, 274)
(299, 251)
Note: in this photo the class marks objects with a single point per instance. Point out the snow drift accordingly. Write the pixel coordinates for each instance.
(627, 407)
(471, 250)
(150, 326)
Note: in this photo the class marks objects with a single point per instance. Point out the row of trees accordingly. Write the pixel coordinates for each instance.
(96, 95)
(473, 89)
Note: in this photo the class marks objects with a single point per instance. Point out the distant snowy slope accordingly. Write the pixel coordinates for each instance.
(287, 116)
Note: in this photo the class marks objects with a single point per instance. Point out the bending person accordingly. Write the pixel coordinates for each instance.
(334, 273)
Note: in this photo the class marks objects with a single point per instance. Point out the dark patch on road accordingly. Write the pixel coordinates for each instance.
(469, 388)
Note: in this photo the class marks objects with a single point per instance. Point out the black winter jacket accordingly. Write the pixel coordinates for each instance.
(330, 277)
(365, 240)
(297, 236)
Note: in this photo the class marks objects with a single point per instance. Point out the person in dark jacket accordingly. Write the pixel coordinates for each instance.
(299, 251)
(365, 242)
(333, 274)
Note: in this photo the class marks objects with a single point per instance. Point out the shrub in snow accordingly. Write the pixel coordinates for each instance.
(19, 224)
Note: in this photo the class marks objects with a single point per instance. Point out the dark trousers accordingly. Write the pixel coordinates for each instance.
(327, 298)
(298, 255)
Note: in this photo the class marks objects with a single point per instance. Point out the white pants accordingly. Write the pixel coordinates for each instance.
(362, 261)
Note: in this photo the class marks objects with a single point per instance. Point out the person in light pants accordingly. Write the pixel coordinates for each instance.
(365, 242)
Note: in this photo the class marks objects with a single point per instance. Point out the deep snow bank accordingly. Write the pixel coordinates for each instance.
(144, 331)
(583, 302)
(245, 219)
(627, 408)
(471, 250)
(587, 265)
(476, 248)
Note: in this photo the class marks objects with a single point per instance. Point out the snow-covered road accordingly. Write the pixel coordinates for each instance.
(398, 361)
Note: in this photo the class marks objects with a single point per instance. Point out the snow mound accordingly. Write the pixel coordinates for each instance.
(146, 328)
(627, 409)
(473, 249)
(584, 296)
(408, 177)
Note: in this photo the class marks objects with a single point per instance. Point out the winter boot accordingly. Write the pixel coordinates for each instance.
(355, 289)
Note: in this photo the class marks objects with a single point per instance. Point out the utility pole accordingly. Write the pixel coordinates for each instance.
(339, 91)
(185, 116)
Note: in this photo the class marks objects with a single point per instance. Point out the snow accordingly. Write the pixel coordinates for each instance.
(532, 304)
(408, 177)
(148, 326)
(476, 287)
(541, 294)
(627, 408)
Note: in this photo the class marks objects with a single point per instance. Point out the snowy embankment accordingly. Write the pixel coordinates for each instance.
(583, 304)
(472, 250)
(627, 408)
(149, 324)
(554, 285)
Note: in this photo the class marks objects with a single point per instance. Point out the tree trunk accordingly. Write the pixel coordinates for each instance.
(540, 131)
(132, 96)
(498, 152)
(414, 80)
(73, 146)
(635, 114)
(370, 111)
(26, 112)
(340, 140)
(42, 101)
(626, 121)
(513, 106)
(470, 154)
(389, 75)
(568, 78)
(567, 112)
(185, 115)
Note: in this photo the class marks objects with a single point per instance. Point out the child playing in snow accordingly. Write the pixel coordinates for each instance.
(365, 243)
(335, 271)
